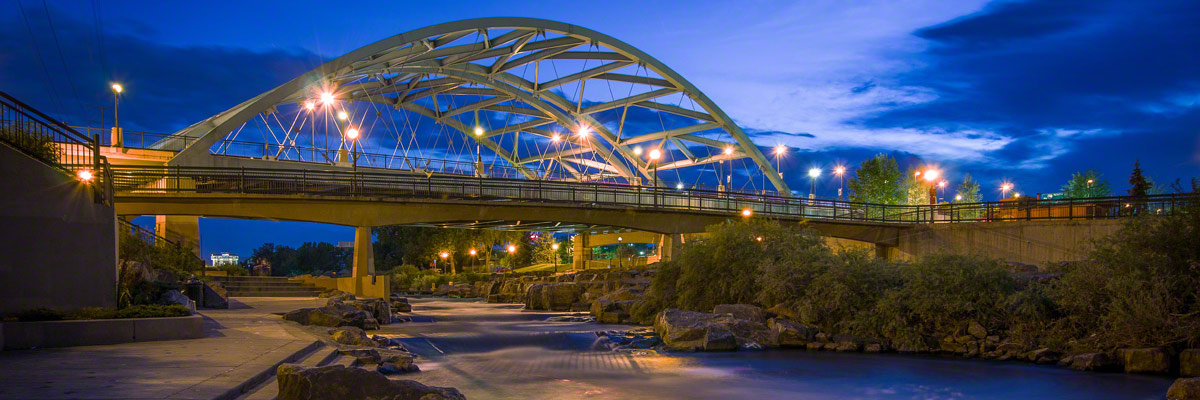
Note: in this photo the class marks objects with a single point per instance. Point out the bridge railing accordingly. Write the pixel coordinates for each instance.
(385, 186)
(54, 143)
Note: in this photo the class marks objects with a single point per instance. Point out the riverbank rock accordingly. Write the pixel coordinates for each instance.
(331, 315)
(616, 307)
(215, 295)
(788, 333)
(691, 330)
(1184, 389)
(379, 309)
(456, 291)
(1154, 360)
(560, 296)
(297, 382)
(1099, 362)
(977, 330)
(352, 336)
(741, 311)
(1189, 363)
(334, 292)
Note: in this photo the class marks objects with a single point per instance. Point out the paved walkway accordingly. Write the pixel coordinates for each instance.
(239, 343)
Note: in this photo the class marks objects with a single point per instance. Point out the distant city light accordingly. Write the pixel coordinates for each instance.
(758, 238)
(554, 246)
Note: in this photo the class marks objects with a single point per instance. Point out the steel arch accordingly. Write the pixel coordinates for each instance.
(430, 51)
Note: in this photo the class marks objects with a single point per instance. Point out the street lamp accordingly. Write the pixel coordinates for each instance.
(746, 212)
(352, 136)
(444, 255)
(840, 171)
(779, 152)
(813, 173)
(555, 248)
(117, 138)
(326, 98)
(958, 197)
(930, 176)
(342, 115)
(309, 105)
(472, 253)
(654, 155)
(942, 185)
(1004, 188)
(85, 175)
(637, 150)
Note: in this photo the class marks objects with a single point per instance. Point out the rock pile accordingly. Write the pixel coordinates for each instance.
(297, 382)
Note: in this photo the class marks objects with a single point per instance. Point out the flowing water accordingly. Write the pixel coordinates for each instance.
(494, 351)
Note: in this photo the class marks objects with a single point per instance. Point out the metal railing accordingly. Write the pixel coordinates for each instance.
(374, 186)
(149, 237)
(54, 143)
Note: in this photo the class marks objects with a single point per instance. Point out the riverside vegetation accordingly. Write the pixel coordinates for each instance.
(1131, 305)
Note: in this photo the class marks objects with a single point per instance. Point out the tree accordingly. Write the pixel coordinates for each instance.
(877, 181)
(1139, 185)
(916, 190)
(1086, 184)
(968, 191)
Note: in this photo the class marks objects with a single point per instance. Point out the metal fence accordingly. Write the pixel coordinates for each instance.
(400, 186)
(54, 144)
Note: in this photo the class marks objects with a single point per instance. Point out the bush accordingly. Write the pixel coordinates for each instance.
(138, 311)
(40, 314)
(153, 311)
(233, 269)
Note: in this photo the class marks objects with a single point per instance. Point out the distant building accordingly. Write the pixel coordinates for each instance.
(224, 258)
(346, 245)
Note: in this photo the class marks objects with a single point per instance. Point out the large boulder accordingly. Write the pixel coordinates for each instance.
(379, 309)
(352, 336)
(533, 297)
(1091, 362)
(977, 330)
(1189, 363)
(616, 307)
(331, 315)
(456, 291)
(337, 382)
(788, 333)
(215, 295)
(741, 311)
(1184, 389)
(176, 297)
(1153, 360)
(560, 296)
(691, 330)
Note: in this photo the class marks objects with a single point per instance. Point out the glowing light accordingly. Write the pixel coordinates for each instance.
(444, 255)
(746, 212)
(679, 185)
(655, 154)
(342, 115)
(583, 131)
(116, 87)
(1090, 181)
(556, 137)
(814, 172)
(839, 170)
(637, 150)
(554, 246)
(958, 197)
(1006, 187)
(918, 173)
(512, 249)
(758, 238)
(326, 98)
(942, 184)
(931, 175)
(478, 131)
(1016, 195)
(309, 105)
(352, 133)
(728, 150)
(472, 252)
(780, 149)
(85, 175)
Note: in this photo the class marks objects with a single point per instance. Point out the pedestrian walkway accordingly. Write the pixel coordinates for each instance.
(240, 345)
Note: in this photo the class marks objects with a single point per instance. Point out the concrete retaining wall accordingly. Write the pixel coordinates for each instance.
(360, 286)
(1029, 242)
(27, 335)
(58, 247)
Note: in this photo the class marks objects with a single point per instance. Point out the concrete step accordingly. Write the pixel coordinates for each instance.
(249, 278)
(274, 294)
(269, 389)
(266, 285)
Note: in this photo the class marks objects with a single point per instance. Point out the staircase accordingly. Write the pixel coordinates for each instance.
(265, 286)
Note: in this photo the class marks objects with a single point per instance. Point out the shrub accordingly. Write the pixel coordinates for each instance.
(153, 311)
(233, 270)
(40, 314)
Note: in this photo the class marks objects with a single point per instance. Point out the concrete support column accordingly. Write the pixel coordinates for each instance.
(182, 229)
(364, 258)
(885, 252)
(581, 252)
(668, 244)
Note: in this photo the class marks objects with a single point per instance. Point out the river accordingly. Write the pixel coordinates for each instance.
(498, 351)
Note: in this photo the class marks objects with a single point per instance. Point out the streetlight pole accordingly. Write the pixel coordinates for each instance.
(840, 171)
(813, 173)
(555, 248)
(116, 132)
(655, 155)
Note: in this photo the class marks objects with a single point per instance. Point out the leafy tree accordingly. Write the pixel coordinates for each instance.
(877, 181)
(1086, 184)
(916, 190)
(968, 191)
(1139, 185)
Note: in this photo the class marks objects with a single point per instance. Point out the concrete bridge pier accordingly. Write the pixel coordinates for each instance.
(182, 229)
(581, 251)
(364, 258)
(668, 244)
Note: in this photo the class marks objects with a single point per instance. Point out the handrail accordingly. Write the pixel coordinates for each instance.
(155, 239)
(53, 143)
(378, 186)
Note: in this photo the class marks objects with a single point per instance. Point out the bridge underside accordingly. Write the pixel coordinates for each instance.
(467, 214)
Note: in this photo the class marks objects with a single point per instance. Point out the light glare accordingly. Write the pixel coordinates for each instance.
(352, 133)
(814, 172)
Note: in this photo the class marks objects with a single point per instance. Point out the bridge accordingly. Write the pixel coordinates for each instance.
(531, 125)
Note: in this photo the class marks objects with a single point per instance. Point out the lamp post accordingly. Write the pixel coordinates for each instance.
(930, 176)
(444, 255)
(117, 138)
(813, 173)
(840, 171)
(779, 151)
(942, 185)
(511, 250)
(1004, 188)
(655, 155)
(555, 248)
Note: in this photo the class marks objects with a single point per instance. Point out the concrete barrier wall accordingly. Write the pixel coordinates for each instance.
(365, 288)
(1029, 242)
(28, 335)
(58, 247)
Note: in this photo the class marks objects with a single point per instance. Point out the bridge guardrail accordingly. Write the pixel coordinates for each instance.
(54, 143)
(131, 180)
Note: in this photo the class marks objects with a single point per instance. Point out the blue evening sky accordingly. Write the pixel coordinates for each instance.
(1027, 91)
